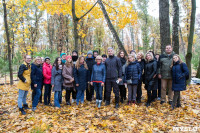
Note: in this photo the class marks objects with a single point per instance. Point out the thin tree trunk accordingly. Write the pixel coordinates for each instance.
(8, 42)
(112, 29)
(164, 24)
(198, 70)
(175, 25)
(182, 42)
(190, 38)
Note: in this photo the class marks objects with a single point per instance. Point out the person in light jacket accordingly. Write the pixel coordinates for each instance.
(98, 79)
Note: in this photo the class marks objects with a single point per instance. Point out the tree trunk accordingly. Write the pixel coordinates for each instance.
(198, 70)
(112, 29)
(175, 25)
(182, 42)
(190, 38)
(164, 24)
(75, 22)
(8, 42)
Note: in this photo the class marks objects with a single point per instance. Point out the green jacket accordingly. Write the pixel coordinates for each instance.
(165, 61)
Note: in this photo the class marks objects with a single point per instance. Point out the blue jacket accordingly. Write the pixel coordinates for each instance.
(133, 71)
(98, 73)
(36, 76)
(81, 77)
(178, 76)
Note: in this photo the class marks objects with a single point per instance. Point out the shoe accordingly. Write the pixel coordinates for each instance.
(129, 103)
(158, 98)
(99, 104)
(22, 111)
(133, 102)
(153, 100)
(73, 100)
(148, 104)
(50, 104)
(68, 103)
(170, 102)
(117, 105)
(25, 106)
(139, 101)
(161, 102)
(34, 108)
(178, 105)
(172, 107)
(107, 103)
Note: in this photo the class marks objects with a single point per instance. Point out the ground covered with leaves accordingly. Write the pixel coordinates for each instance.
(89, 118)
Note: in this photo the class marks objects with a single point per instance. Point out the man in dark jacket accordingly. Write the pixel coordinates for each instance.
(113, 76)
(90, 62)
(164, 72)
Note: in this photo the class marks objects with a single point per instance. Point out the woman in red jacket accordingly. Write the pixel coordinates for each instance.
(47, 80)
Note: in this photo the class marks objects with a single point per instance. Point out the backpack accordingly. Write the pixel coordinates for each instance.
(186, 76)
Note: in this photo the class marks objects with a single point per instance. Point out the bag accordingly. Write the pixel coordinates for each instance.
(186, 76)
(129, 81)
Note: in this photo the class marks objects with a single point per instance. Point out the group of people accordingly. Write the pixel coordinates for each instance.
(77, 74)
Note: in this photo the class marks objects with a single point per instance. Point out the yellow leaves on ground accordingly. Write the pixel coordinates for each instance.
(136, 118)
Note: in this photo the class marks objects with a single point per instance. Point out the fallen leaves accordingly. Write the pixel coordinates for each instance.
(134, 118)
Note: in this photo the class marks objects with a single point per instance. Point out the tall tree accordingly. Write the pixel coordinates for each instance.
(111, 27)
(175, 26)
(8, 42)
(190, 38)
(164, 24)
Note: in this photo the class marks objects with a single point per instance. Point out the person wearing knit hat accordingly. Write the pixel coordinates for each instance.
(90, 62)
(74, 56)
(95, 53)
(67, 57)
(63, 56)
(46, 59)
(104, 57)
(89, 53)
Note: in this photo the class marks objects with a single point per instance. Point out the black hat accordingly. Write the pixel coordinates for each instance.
(104, 55)
(46, 58)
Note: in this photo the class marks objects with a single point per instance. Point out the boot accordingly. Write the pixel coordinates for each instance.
(129, 103)
(107, 103)
(34, 108)
(25, 106)
(22, 111)
(116, 102)
(68, 103)
(148, 104)
(178, 105)
(122, 100)
(133, 102)
(99, 104)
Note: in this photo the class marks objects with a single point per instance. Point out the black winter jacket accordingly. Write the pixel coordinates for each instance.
(113, 68)
(150, 71)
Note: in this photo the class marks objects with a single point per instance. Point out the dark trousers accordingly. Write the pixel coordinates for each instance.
(151, 92)
(139, 91)
(176, 98)
(70, 90)
(89, 92)
(104, 93)
(111, 83)
(41, 94)
(159, 87)
(47, 94)
(122, 92)
(98, 88)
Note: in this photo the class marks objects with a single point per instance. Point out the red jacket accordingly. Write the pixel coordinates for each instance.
(47, 73)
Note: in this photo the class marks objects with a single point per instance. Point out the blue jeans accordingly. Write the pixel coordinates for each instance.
(57, 98)
(80, 96)
(36, 96)
(22, 97)
(98, 88)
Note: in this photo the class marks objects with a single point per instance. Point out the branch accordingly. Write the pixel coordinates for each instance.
(88, 11)
(110, 6)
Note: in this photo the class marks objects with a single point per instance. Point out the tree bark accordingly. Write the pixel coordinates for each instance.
(164, 24)
(8, 42)
(198, 69)
(190, 38)
(112, 29)
(182, 42)
(175, 25)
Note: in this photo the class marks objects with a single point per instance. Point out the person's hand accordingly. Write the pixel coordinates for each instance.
(102, 84)
(71, 80)
(52, 86)
(91, 83)
(159, 76)
(119, 79)
(154, 76)
(77, 85)
(35, 85)
(125, 83)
